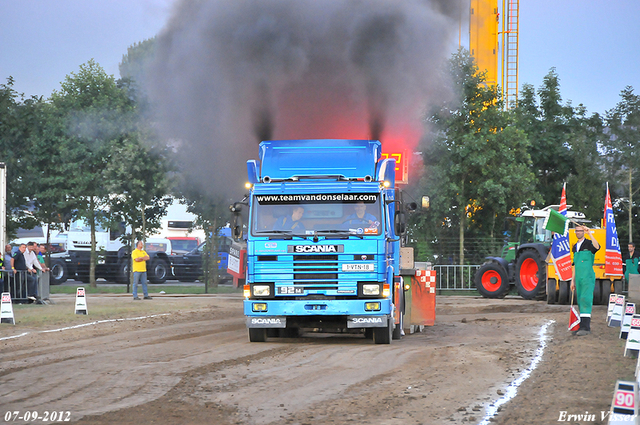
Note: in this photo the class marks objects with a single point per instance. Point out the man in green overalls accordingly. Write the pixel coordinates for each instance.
(630, 261)
(584, 278)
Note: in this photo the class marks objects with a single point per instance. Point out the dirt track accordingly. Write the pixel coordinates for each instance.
(195, 366)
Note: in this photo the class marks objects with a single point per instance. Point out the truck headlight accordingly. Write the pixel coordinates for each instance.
(371, 289)
(261, 290)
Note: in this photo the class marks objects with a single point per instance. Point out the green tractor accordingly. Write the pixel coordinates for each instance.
(523, 260)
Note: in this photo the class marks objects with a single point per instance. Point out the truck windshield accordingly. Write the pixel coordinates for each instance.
(80, 225)
(324, 214)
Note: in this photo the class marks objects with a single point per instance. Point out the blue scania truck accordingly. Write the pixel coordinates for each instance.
(323, 240)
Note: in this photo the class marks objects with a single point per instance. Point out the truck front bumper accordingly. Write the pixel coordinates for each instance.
(358, 313)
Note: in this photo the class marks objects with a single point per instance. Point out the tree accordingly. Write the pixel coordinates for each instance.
(477, 163)
(95, 112)
(563, 146)
(17, 119)
(212, 214)
(621, 146)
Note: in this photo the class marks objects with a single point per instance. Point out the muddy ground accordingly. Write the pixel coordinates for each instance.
(190, 362)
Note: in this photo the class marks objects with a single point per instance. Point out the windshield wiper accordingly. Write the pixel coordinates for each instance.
(338, 233)
(282, 232)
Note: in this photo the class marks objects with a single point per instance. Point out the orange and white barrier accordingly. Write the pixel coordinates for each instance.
(624, 406)
(612, 304)
(81, 301)
(6, 309)
(633, 339)
(618, 310)
(629, 311)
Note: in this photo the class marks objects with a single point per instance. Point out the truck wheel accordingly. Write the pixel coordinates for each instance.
(257, 334)
(289, 333)
(606, 291)
(397, 330)
(58, 272)
(551, 291)
(368, 333)
(617, 286)
(122, 271)
(563, 292)
(597, 292)
(383, 335)
(491, 281)
(531, 276)
(159, 271)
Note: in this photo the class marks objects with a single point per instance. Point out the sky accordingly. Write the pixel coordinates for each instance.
(593, 44)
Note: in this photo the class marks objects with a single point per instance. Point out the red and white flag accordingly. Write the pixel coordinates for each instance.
(574, 319)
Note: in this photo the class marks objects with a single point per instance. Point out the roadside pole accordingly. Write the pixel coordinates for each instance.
(3, 205)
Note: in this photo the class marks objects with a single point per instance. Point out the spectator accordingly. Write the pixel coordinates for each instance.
(584, 278)
(24, 272)
(7, 266)
(291, 222)
(2, 275)
(140, 258)
(361, 217)
(630, 261)
(40, 253)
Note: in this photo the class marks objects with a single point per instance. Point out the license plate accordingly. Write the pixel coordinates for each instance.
(357, 267)
(290, 290)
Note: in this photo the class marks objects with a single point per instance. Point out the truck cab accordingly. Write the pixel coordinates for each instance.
(113, 257)
(322, 246)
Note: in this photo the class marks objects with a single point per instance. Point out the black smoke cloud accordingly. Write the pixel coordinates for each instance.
(230, 73)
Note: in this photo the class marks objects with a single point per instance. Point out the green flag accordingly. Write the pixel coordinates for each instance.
(556, 222)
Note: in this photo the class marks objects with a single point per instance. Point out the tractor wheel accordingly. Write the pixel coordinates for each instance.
(531, 274)
(491, 281)
(563, 292)
(552, 294)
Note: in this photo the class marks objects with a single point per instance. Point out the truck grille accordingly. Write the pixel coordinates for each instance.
(315, 269)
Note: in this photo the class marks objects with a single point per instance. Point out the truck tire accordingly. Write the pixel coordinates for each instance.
(563, 292)
(257, 334)
(606, 291)
(597, 292)
(383, 335)
(122, 271)
(491, 281)
(397, 330)
(158, 271)
(617, 286)
(552, 294)
(58, 272)
(531, 274)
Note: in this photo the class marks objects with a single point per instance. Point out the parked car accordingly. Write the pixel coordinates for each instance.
(188, 267)
(159, 267)
(181, 245)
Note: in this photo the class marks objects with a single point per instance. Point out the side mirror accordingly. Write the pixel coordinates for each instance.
(425, 202)
(400, 223)
(236, 227)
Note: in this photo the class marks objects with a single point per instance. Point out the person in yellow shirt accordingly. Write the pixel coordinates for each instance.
(140, 258)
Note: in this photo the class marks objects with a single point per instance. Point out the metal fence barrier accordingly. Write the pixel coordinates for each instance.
(455, 277)
(15, 282)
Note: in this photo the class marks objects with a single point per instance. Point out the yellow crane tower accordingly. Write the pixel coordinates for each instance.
(486, 24)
